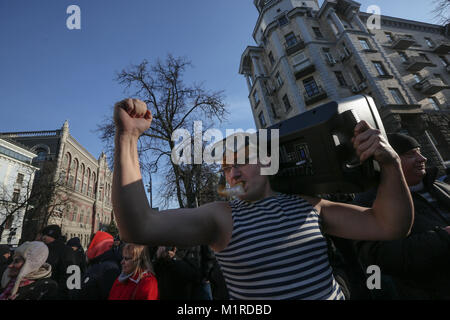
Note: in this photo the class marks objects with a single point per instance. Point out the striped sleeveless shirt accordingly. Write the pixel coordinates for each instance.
(277, 251)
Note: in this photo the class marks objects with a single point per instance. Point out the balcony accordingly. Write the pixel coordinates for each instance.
(303, 69)
(402, 42)
(294, 46)
(430, 86)
(415, 64)
(315, 96)
(442, 47)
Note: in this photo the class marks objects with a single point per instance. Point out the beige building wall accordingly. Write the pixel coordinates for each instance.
(307, 56)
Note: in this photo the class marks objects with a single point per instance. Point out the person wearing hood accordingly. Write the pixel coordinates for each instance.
(103, 268)
(80, 256)
(28, 277)
(137, 280)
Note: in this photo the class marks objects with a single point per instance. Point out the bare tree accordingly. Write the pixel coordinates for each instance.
(174, 105)
(49, 199)
(441, 11)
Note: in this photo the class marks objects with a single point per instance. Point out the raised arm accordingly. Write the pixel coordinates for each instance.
(392, 213)
(137, 222)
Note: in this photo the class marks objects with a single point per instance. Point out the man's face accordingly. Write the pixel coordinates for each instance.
(47, 239)
(413, 165)
(16, 265)
(253, 183)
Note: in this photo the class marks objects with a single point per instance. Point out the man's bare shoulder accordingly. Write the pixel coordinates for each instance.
(314, 201)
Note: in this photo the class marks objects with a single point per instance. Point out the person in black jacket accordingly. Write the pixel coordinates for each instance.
(416, 267)
(5, 258)
(103, 268)
(60, 257)
(80, 256)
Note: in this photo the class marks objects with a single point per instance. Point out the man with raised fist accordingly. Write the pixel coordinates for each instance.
(269, 245)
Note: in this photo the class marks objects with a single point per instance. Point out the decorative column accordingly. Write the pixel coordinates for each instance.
(332, 14)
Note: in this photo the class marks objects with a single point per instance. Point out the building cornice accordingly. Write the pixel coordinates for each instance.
(406, 24)
(247, 52)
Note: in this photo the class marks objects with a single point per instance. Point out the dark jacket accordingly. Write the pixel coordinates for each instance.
(60, 257)
(42, 289)
(4, 264)
(419, 264)
(101, 273)
(175, 278)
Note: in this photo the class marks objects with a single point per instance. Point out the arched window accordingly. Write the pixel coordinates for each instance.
(88, 180)
(66, 165)
(76, 184)
(94, 185)
(83, 185)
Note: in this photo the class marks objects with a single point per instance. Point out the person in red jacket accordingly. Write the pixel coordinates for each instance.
(137, 280)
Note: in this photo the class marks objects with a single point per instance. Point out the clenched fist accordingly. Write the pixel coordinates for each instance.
(369, 142)
(132, 117)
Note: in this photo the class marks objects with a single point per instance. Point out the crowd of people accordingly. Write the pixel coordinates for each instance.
(109, 270)
(262, 245)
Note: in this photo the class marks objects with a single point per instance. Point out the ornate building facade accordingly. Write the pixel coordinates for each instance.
(307, 55)
(16, 180)
(84, 180)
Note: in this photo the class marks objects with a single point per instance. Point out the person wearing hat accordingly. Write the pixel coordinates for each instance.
(28, 276)
(103, 268)
(80, 256)
(269, 245)
(60, 257)
(5, 258)
(415, 267)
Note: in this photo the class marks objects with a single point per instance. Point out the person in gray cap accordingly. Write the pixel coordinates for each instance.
(415, 267)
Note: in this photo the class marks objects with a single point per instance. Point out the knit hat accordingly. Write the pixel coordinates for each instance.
(4, 248)
(35, 254)
(402, 143)
(74, 242)
(101, 243)
(52, 230)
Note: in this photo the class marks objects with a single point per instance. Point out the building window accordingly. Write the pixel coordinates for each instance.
(389, 36)
(380, 68)
(417, 77)
(256, 97)
(283, 20)
(19, 179)
(271, 59)
(287, 104)
(403, 56)
(41, 154)
(443, 60)
(359, 73)
(311, 87)
(438, 76)
(434, 103)
(8, 223)
(317, 33)
(340, 78)
(262, 121)
(16, 195)
(398, 98)
(429, 42)
(279, 80)
(290, 39)
(364, 44)
(346, 51)
(273, 110)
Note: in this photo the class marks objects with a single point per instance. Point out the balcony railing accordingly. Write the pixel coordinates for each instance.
(293, 47)
(304, 68)
(442, 47)
(402, 42)
(315, 96)
(430, 86)
(417, 63)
